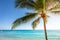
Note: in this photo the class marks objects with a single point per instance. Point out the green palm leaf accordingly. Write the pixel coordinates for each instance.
(25, 4)
(55, 12)
(23, 19)
(39, 3)
(35, 23)
(18, 2)
(34, 4)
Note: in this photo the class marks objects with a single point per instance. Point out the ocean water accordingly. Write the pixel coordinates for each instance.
(29, 34)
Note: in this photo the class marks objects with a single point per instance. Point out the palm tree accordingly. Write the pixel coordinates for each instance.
(41, 7)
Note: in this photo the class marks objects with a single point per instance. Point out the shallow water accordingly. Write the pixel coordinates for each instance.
(29, 34)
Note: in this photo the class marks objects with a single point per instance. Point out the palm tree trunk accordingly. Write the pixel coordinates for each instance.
(44, 20)
(45, 29)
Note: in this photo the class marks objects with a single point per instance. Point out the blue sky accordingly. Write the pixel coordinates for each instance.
(8, 14)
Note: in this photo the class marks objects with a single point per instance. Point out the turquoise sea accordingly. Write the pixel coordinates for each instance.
(35, 34)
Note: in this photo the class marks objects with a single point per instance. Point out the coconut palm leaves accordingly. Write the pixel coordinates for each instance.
(52, 3)
(53, 6)
(34, 4)
(26, 4)
(23, 19)
(35, 23)
(37, 5)
(55, 12)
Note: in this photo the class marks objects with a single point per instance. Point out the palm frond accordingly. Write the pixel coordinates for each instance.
(39, 4)
(53, 0)
(55, 8)
(55, 12)
(57, 1)
(29, 13)
(17, 2)
(23, 20)
(50, 4)
(34, 4)
(25, 4)
(35, 23)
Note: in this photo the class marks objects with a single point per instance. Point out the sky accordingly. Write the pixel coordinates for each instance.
(8, 14)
